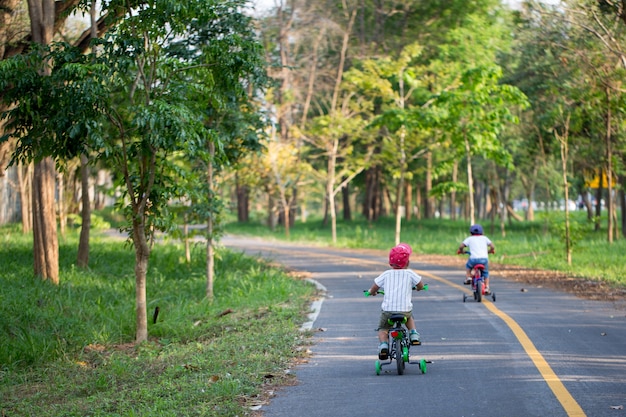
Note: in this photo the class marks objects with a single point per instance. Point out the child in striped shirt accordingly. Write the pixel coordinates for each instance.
(398, 284)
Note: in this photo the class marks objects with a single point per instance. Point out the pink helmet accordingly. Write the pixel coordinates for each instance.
(399, 256)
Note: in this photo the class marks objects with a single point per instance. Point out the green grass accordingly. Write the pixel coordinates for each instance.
(68, 350)
(537, 244)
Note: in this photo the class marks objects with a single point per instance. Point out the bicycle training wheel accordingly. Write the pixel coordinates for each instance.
(423, 366)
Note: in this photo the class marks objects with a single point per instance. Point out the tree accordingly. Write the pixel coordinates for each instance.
(130, 102)
(478, 111)
(393, 82)
(46, 17)
(45, 241)
(50, 111)
(160, 60)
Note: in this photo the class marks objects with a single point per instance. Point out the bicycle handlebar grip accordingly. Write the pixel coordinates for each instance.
(366, 293)
(425, 287)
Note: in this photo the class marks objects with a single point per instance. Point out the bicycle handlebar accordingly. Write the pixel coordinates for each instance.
(367, 292)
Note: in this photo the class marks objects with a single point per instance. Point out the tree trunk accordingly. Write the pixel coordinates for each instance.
(345, 194)
(563, 140)
(529, 189)
(83, 244)
(334, 146)
(142, 255)
(210, 250)
(418, 203)
(243, 202)
(7, 15)
(408, 201)
(599, 199)
(455, 178)
(330, 184)
(609, 169)
(284, 109)
(428, 200)
(25, 184)
(61, 207)
(271, 210)
(369, 201)
(45, 240)
(470, 181)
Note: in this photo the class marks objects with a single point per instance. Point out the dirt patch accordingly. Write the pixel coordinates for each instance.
(581, 287)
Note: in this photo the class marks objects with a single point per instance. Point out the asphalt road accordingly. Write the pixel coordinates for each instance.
(532, 353)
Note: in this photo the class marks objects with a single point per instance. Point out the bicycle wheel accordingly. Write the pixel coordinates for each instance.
(397, 346)
(479, 290)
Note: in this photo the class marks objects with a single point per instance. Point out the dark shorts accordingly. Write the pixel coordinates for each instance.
(473, 261)
(384, 316)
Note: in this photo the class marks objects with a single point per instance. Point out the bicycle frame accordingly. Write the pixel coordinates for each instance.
(478, 281)
(399, 345)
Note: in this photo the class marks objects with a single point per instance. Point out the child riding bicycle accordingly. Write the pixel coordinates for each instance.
(480, 246)
(398, 284)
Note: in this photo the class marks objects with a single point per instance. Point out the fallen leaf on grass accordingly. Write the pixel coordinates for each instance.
(191, 367)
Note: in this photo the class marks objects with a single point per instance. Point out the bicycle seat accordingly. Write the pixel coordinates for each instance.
(479, 266)
(397, 318)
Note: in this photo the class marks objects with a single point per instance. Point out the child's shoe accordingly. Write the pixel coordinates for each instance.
(383, 351)
(414, 336)
(487, 291)
(467, 281)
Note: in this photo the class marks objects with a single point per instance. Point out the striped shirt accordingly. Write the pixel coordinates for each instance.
(398, 285)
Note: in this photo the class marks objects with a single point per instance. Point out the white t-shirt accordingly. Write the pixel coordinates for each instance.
(478, 246)
(398, 285)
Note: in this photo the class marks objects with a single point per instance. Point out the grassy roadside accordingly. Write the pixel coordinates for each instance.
(67, 350)
(538, 244)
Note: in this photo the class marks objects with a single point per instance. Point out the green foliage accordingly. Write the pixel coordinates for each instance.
(77, 336)
(479, 110)
(51, 115)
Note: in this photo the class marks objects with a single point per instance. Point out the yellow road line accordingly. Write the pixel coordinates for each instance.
(571, 407)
